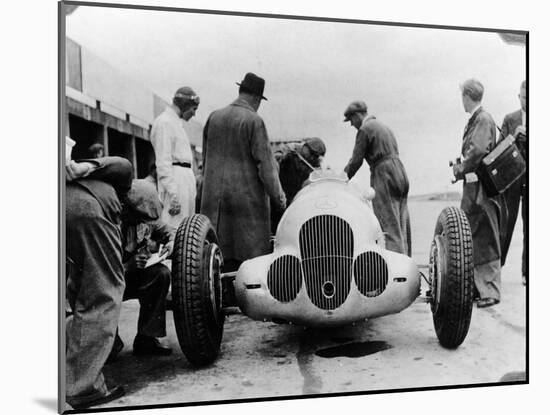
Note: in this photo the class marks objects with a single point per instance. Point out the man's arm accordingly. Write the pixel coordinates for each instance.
(505, 131)
(480, 144)
(164, 234)
(267, 167)
(162, 142)
(358, 155)
(116, 171)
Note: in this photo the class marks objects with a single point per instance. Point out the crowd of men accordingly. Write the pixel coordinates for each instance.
(115, 225)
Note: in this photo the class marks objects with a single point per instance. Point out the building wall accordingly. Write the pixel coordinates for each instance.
(105, 106)
(116, 91)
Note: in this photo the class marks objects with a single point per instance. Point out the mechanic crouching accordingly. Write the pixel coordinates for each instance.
(142, 234)
(296, 162)
(95, 280)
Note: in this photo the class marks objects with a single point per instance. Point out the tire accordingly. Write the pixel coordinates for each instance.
(196, 290)
(451, 277)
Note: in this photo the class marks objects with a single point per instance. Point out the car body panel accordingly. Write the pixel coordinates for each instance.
(328, 244)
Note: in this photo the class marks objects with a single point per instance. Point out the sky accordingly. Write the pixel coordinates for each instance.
(409, 77)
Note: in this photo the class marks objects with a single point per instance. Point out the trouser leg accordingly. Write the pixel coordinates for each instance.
(524, 219)
(150, 286)
(94, 292)
(512, 198)
(388, 212)
(487, 279)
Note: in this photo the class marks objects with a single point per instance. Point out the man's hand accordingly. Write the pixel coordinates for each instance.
(76, 170)
(457, 172)
(141, 260)
(167, 249)
(175, 207)
(520, 129)
(138, 261)
(281, 203)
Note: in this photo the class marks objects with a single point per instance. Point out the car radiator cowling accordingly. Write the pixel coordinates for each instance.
(327, 267)
(326, 247)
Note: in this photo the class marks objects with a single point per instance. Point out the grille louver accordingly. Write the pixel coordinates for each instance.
(371, 274)
(284, 278)
(326, 247)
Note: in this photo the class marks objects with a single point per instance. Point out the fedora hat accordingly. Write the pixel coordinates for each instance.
(253, 84)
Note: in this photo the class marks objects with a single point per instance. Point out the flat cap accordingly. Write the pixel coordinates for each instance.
(316, 145)
(143, 200)
(355, 106)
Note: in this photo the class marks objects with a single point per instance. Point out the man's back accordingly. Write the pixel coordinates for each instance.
(240, 175)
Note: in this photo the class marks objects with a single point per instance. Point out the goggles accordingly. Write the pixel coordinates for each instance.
(194, 98)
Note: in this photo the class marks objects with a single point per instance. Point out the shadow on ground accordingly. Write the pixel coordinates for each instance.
(48, 403)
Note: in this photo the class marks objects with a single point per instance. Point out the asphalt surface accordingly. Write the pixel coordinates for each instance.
(261, 359)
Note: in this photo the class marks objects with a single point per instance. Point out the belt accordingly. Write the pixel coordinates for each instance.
(184, 164)
(382, 159)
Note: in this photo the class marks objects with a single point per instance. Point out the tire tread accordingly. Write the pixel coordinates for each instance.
(453, 316)
(198, 335)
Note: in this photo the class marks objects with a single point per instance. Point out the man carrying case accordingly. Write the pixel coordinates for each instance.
(501, 167)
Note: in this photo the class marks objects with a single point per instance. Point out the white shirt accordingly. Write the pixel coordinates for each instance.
(523, 118)
(171, 145)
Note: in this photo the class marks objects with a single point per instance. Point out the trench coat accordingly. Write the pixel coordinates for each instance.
(240, 178)
(376, 144)
(482, 211)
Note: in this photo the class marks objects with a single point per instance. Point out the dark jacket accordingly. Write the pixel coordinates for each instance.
(112, 176)
(376, 143)
(240, 176)
(140, 220)
(509, 125)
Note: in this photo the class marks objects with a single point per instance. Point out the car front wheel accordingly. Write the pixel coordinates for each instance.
(451, 277)
(197, 291)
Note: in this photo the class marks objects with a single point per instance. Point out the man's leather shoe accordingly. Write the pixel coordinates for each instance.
(111, 395)
(487, 302)
(145, 345)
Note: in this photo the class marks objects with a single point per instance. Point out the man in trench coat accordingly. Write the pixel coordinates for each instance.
(240, 176)
(376, 144)
(482, 211)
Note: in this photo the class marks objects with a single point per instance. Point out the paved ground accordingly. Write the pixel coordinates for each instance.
(399, 351)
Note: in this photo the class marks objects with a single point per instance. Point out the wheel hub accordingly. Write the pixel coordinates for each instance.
(214, 263)
(436, 271)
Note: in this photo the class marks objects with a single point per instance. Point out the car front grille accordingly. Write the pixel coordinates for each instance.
(371, 274)
(326, 247)
(284, 278)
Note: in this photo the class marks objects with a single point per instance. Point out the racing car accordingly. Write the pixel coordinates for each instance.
(329, 267)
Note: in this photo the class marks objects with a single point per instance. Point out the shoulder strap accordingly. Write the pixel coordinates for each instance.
(303, 159)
